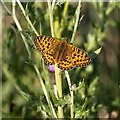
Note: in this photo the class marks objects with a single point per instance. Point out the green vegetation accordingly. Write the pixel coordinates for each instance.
(30, 89)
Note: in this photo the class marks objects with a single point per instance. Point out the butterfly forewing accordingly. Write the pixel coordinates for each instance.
(45, 43)
(79, 57)
(46, 46)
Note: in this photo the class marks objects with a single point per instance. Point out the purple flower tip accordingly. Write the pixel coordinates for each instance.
(51, 68)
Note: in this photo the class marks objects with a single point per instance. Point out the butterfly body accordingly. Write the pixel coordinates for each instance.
(65, 55)
(60, 51)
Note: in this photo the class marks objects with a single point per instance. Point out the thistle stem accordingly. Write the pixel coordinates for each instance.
(57, 71)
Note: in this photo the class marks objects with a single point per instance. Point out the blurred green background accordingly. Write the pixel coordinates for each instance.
(98, 28)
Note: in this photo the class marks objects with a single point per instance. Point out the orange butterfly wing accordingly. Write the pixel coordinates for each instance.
(52, 48)
(45, 45)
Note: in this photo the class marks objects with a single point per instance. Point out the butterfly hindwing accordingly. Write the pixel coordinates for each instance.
(65, 64)
(48, 57)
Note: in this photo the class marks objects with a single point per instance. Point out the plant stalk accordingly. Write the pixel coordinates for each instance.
(57, 71)
(77, 14)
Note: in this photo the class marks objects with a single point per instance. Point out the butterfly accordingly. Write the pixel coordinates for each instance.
(65, 55)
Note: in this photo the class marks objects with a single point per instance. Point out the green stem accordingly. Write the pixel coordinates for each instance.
(77, 20)
(28, 50)
(45, 91)
(67, 75)
(20, 28)
(51, 17)
(26, 16)
(59, 89)
(71, 95)
(65, 9)
(64, 16)
(57, 71)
